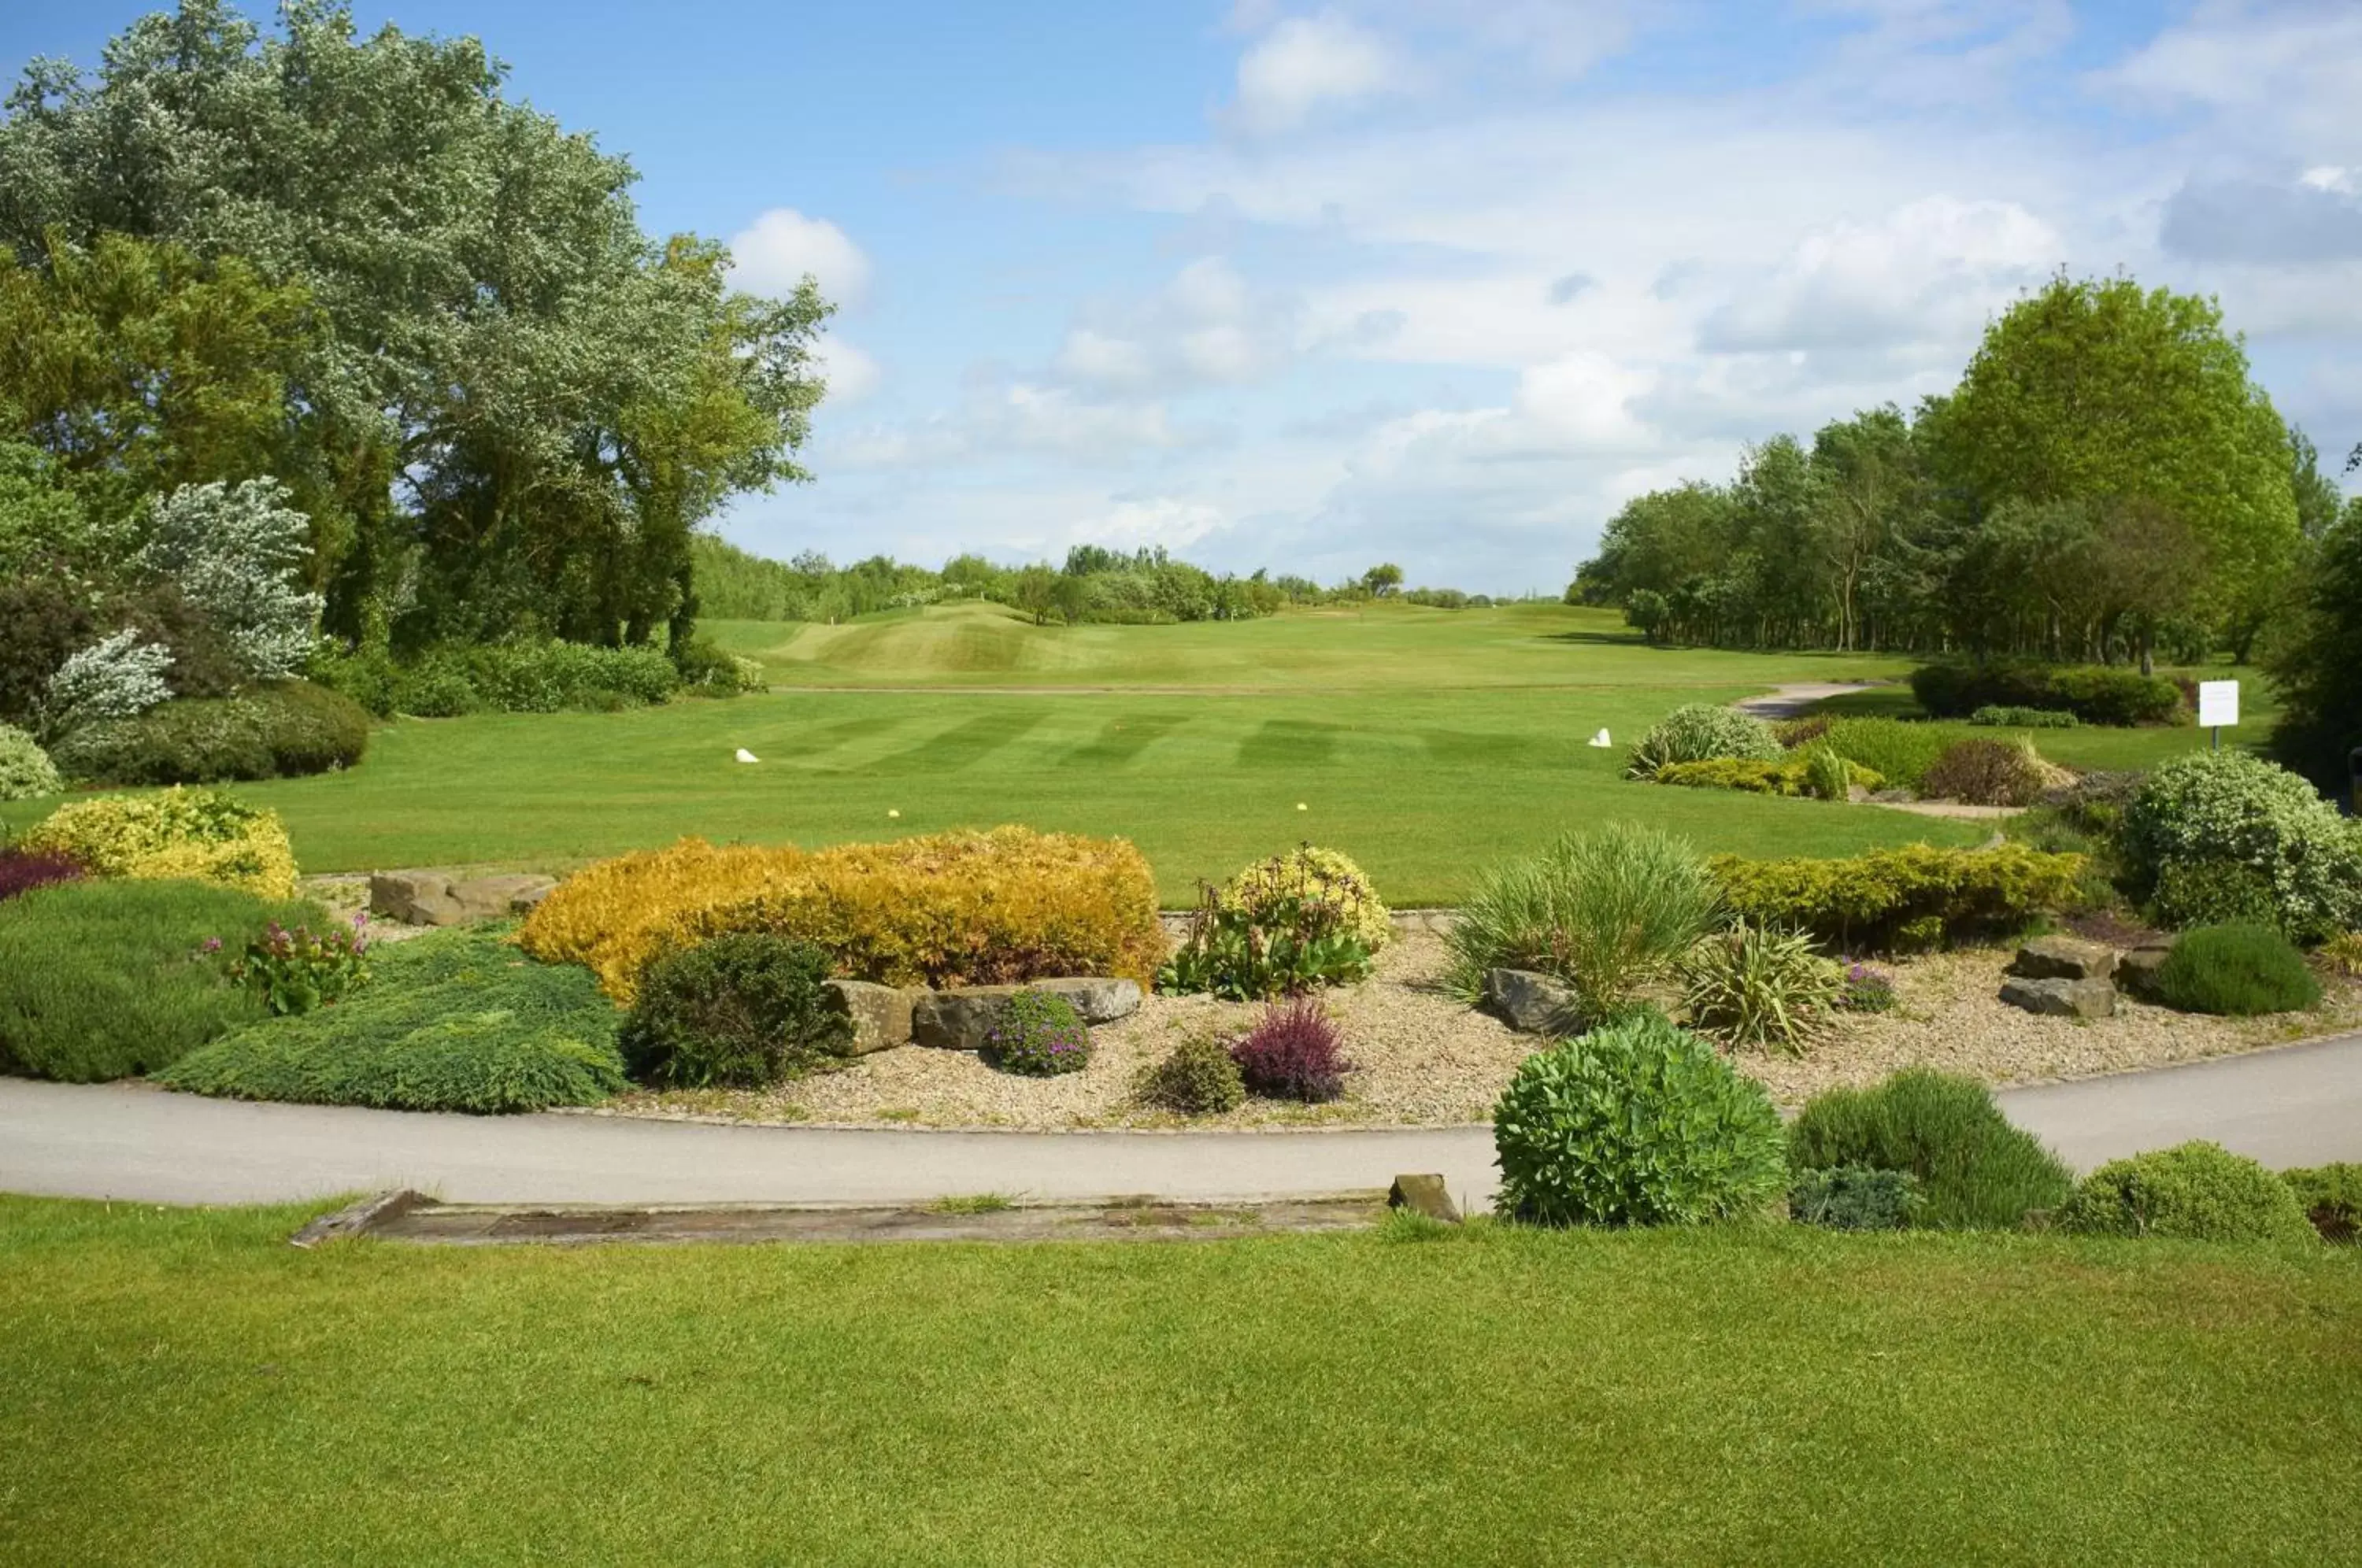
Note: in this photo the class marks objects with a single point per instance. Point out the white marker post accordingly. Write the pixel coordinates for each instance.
(2218, 705)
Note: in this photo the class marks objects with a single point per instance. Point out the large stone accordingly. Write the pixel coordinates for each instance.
(1532, 1003)
(493, 898)
(2137, 970)
(959, 1019)
(2061, 998)
(414, 898)
(1098, 999)
(880, 1014)
(1424, 1193)
(2064, 958)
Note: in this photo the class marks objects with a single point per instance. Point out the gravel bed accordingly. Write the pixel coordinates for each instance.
(1421, 1058)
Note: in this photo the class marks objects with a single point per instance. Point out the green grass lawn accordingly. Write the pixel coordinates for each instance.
(182, 1388)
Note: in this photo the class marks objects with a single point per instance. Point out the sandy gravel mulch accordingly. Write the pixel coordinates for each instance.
(1421, 1058)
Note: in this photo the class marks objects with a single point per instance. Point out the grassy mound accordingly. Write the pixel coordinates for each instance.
(459, 1021)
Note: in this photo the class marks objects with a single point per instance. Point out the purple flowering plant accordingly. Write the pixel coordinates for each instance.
(1867, 990)
(295, 971)
(1039, 1035)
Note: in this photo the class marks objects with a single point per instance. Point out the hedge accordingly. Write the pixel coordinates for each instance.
(953, 908)
(286, 730)
(2096, 693)
(1911, 898)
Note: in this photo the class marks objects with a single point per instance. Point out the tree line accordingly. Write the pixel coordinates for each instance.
(2106, 481)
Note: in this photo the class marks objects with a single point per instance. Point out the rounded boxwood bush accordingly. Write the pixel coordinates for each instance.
(26, 769)
(2238, 971)
(1636, 1124)
(2197, 1191)
(1700, 732)
(2228, 808)
(1039, 1035)
(739, 1011)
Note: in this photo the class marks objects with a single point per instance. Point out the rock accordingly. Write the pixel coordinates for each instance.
(958, 1018)
(2137, 970)
(1532, 1003)
(1100, 1000)
(1424, 1194)
(414, 898)
(491, 898)
(2061, 998)
(880, 1014)
(2064, 958)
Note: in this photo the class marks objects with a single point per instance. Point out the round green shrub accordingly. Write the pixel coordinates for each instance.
(739, 1011)
(1700, 732)
(1039, 1035)
(1198, 1079)
(2237, 971)
(2229, 808)
(26, 769)
(309, 728)
(1975, 1170)
(1636, 1124)
(2197, 1191)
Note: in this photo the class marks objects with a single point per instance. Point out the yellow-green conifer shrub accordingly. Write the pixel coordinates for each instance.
(200, 835)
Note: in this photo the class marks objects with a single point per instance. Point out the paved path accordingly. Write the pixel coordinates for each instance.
(1787, 701)
(2297, 1106)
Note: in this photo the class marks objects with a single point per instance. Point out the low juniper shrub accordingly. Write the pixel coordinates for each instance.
(741, 1011)
(1294, 1052)
(1039, 1035)
(22, 870)
(1198, 1079)
(1855, 1197)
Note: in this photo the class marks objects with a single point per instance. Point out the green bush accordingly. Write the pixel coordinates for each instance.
(1197, 1079)
(739, 1011)
(1606, 912)
(2331, 1196)
(26, 770)
(545, 676)
(2238, 971)
(1985, 773)
(2228, 808)
(1700, 732)
(2194, 1192)
(1855, 1197)
(1975, 1170)
(454, 1021)
(2096, 694)
(1818, 771)
(1906, 898)
(2190, 893)
(1754, 986)
(1897, 750)
(105, 979)
(1993, 716)
(1634, 1124)
(437, 686)
(285, 730)
(1039, 1035)
(369, 675)
(1832, 778)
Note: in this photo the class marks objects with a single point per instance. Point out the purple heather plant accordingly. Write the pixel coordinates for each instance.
(22, 870)
(1039, 1035)
(1294, 1052)
(1866, 989)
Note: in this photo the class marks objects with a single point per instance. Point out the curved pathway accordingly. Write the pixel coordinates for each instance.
(2298, 1105)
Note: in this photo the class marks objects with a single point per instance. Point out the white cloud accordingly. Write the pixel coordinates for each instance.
(772, 255)
(1205, 328)
(1307, 64)
(852, 374)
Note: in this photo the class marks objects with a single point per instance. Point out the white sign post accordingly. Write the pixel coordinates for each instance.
(2218, 705)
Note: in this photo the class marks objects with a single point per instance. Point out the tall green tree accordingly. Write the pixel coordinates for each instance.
(520, 403)
(2314, 659)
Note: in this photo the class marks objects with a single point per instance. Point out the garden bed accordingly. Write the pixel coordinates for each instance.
(1424, 1059)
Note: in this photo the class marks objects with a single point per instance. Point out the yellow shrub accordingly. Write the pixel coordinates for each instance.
(1319, 878)
(953, 908)
(200, 835)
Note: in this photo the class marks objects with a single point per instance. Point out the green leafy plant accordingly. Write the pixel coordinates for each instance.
(740, 1011)
(1855, 1197)
(1903, 900)
(295, 971)
(2219, 808)
(453, 1020)
(1636, 1124)
(1606, 911)
(2238, 971)
(1752, 984)
(2331, 1196)
(102, 980)
(1039, 1035)
(1281, 947)
(2211, 892)
(26, 770)
(1699, 731)
(1197, 1078)
(2197, 1191)
(1975, 1170)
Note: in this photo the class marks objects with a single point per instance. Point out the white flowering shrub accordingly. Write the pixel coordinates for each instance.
(120, 678)
(2229, 809)
(26, 769)
(233, 552)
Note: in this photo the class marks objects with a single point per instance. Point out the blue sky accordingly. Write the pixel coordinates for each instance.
(1443, 282)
